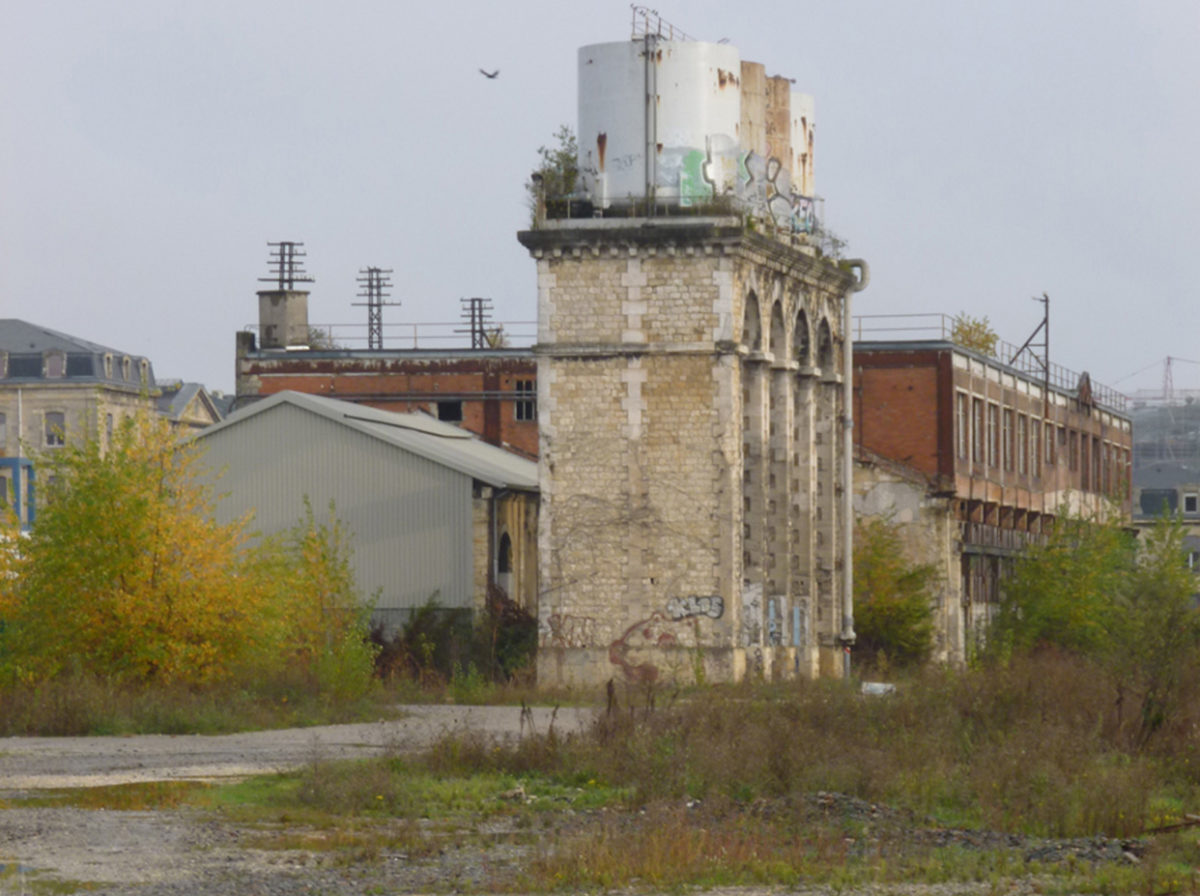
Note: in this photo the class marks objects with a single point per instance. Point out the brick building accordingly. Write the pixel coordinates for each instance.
(946, 432)
(488, 391)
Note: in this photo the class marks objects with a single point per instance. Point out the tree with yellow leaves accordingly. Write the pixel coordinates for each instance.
(127, 575)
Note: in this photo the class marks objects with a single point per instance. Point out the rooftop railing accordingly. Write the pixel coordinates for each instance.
(940, 327)
(430, 335)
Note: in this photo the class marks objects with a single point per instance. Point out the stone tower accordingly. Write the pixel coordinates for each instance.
(692, 466)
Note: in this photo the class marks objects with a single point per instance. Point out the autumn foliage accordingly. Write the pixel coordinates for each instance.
(127, 575)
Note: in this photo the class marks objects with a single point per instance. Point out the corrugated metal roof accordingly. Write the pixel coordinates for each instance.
(438, 442)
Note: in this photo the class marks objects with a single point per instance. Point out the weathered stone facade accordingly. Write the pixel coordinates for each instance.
(690, 405)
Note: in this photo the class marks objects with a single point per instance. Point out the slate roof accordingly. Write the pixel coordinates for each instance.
(420, 434)
(177, 395)
(25, 345)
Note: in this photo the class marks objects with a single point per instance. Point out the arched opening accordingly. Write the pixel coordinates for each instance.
(752, 324)
(504, 564)
(778, 346)
(801, 339)
(825, 357)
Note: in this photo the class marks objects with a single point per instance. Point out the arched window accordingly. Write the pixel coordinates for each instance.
(825, 358)
(504, 564)
(778, 348)
(800, 339)
(752, 324)
(504, 556)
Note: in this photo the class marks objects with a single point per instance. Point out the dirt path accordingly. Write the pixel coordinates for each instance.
(168, 852)
(34, 763)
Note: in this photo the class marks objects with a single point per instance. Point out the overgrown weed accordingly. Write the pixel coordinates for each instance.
(94, 705)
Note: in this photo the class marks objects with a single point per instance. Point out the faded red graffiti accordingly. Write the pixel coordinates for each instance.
(642, 635)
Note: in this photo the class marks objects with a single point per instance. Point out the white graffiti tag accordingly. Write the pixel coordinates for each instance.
(710, 605)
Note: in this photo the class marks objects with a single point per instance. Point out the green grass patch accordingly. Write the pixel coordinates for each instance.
(135, 797)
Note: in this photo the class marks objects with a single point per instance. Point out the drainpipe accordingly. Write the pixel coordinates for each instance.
(847, 636)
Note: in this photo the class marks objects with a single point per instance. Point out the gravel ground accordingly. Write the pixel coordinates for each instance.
(188, 852)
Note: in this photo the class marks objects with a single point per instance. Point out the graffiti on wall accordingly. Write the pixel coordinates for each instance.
(633, 652)
(766, 188)
(752, 614)
(710, 605)
(565, 630)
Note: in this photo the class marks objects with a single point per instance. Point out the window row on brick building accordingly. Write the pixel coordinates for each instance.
(993, 438)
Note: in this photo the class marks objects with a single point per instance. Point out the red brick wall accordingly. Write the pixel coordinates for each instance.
(482, 384)
(896, 413)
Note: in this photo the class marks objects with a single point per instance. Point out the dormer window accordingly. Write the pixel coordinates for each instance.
(108, 366)
(55, 365)
(126, 368)
(144, 371)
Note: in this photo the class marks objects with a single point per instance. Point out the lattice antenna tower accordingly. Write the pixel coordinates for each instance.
(287, 265)
(477, 312)
(374, 282)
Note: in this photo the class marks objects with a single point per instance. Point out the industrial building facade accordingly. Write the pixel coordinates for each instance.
(433, 512)
(1003, 452)
(491, 392)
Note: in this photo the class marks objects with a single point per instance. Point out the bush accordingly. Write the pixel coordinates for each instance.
(128, 577)
(1094, 591)
(893, 614)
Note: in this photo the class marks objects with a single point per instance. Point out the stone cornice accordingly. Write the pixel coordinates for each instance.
(728, 235)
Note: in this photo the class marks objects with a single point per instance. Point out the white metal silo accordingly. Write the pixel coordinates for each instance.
(803, 133)
(658, 118)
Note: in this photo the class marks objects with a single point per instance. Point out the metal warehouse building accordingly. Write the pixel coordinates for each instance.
(432, 510)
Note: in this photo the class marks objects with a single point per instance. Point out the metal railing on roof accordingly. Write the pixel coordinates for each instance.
(647, 21)
(430, 335)
(940, 327)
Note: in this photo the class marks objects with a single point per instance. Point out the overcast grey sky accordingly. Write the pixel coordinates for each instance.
(976, 154)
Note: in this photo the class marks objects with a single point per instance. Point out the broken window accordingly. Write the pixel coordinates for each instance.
(450, 411)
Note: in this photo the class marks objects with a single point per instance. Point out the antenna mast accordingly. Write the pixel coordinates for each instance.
(287, 265)
(375, 281)
(477, 312)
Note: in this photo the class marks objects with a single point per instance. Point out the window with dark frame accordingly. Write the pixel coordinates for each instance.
(525, 406)
(1191, 504)
(56, 429)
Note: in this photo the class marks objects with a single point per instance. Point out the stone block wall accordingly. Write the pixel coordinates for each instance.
(678, 535)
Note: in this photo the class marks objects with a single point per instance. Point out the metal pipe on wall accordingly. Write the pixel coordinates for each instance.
(847, 635)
